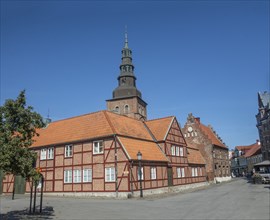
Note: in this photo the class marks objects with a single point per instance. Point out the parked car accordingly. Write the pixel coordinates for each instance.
(265, 177)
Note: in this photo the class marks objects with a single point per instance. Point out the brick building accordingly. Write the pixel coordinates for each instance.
(96, 153)
(213, 150)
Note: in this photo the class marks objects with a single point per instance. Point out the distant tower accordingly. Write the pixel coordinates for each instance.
(127, 99)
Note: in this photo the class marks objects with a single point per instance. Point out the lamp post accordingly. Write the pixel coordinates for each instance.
(139, 156)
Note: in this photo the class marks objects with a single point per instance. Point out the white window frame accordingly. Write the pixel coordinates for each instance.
(177, 151)
(183, 171)
(192, 172)
(181, 151)
(98, 148)
(87, 175)
(67, 176)
(68, 150)
(178, 171)
(109, 174)
(141, 173)
(77, 176)
(173, 150)
(43, 154)
(196, 171)
(153, 173)
(50, 153)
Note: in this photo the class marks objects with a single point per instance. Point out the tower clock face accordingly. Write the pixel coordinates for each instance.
(190, 129)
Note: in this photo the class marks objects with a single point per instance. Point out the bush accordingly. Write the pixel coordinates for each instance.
(257, 178)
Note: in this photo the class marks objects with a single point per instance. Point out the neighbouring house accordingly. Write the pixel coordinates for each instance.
(263, 123)
(97, 153)
(245, 157)
(254, 156)
(213, 150)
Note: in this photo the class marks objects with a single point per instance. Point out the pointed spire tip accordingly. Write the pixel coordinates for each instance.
(126, 37)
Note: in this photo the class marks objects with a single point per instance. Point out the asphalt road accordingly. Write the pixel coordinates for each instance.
(237, 200)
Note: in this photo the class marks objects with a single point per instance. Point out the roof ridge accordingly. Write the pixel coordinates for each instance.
(173, 118)
(78, 116)
(160, 118)
(122, 115)
(109, 121)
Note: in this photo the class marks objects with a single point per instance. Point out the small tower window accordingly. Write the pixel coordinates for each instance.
(117, 109)
(126, 110)
(140, 111)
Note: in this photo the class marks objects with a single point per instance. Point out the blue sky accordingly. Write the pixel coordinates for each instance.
(210, 58)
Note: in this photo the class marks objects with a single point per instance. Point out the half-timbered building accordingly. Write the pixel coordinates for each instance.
(96, 153)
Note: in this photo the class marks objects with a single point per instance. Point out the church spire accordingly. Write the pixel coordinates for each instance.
(127, 99)
(126, 38)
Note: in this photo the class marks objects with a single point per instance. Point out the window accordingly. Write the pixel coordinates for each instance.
(98, 147)
(180, 172)
(87, 175)
(68, 176)
(141, 173)
(181, 149)
(117, 109)
(43, 154)
(196, 171)
(153, 173)
(126, 110)
(50, 153)
(183, 171)
(177, 151)
(192, 172)
(110, 174)
(173, 150)
(68, 151)
(77, 178)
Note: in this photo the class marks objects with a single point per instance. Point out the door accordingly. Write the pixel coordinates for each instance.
(170, 176)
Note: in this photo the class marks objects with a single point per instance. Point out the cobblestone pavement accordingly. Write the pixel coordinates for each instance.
(236, 200)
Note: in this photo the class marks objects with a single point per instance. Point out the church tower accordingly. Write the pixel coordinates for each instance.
(127, 99)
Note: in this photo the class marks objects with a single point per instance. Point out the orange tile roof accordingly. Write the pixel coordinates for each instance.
(149, 150)
(160, 127)
(78, 128)
(195, 157)
(253, 150)
(90, 126)
(209, 132)
(126, 126)
(243, 148)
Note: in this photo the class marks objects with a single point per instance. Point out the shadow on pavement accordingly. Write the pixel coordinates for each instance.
(47, 213)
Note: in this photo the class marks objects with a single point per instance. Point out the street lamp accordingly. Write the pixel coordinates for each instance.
(139, 156)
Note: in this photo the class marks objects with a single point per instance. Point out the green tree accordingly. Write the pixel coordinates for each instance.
(18, 126)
